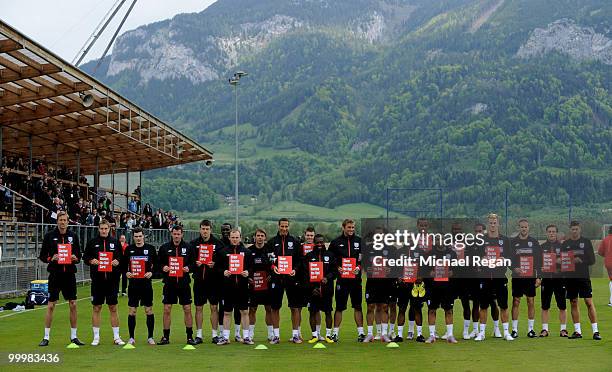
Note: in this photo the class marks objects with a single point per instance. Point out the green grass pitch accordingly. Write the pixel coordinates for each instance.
(21, 332)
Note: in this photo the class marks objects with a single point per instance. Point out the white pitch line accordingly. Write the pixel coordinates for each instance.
(44, 307)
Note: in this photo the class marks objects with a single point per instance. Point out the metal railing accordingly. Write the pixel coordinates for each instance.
(20, 244)
(14, 195)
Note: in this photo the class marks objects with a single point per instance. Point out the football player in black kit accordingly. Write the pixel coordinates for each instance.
(176, 281)
(494, 284)
(578, 281)
(139, 263)
(207, 279)
(319, 289)
(61, 276)
(235, 286)
(284, 245)
(552, 282)
(348, 247)
(104, 285)
(260, 275)
(440, 291)
(526, 263)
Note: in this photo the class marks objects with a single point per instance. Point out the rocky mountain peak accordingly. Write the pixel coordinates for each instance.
(564, 35)
(204, 46)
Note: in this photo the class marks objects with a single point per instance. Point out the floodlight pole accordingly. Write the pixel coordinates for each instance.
(236, 156)
(234, 80)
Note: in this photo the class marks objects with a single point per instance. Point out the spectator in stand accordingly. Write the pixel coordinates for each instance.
(130, 222)
(80, 207)
(168, 223)
(11, 163)
(55, 208)
(7, 197)
(74, 220)
(89, 220)
(147, 211)
(70, 176)
(158, 219)
(39, 183)
(111, 220)
(138, 193)
(90, 202)
(75, 193)
(20, 166)
(41, 169)
(101, 203)
(98, 217)
(147, 222)
(132, 205)
(51, 187)
(47, 198)
(122, 220)
(107, 204)
(16, 180)
(85, 216)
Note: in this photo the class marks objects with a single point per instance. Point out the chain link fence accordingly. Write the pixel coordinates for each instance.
(21, 243)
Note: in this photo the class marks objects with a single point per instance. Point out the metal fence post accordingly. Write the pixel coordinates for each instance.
(15, 244)
(27, 240)
(16, 275)
(37, 263)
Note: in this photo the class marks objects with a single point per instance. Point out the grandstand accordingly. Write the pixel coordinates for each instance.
(64, 139)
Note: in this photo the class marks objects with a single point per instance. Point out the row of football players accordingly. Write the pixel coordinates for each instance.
(235, 280)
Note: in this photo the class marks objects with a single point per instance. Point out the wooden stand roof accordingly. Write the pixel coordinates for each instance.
(40, 101)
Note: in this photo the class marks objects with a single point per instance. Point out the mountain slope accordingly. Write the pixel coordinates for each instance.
(468, 96)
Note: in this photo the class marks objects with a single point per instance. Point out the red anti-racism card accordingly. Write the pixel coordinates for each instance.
(316, 271)
(260, 279)
(526, 266)
(307, 248)
(176, 267)
(567, 261)
(137, 267)
(205, 253)
(64, 254)
(104, 262)
(236, 264)
(285, 265)
(348, 266)
(410, 273)
(549, 262)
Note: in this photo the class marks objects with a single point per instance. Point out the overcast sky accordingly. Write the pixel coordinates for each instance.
(63, 26)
